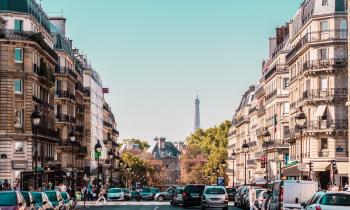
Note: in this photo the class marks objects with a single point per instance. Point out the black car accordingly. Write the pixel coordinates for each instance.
(231, 191)
(192, 195)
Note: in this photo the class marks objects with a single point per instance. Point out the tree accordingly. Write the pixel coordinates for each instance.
(143, 144)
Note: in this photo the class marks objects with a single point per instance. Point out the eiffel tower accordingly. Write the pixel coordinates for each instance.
(197, 121)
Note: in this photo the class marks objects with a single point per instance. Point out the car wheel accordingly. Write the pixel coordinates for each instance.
(160, 198)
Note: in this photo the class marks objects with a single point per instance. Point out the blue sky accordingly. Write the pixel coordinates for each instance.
(156, 55)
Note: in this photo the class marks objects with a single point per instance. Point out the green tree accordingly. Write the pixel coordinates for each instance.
(143, 144)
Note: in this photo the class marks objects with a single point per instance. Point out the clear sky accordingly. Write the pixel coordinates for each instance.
(156, 55)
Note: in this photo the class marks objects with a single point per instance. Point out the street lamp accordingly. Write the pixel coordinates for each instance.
(266, 138)
(245, 150)
(72, 139)
(36, 116)
(300, 122)
(233, 156)
(98, 150)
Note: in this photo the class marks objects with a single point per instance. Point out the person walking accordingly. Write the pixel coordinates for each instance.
(252, 197)
(101, 196)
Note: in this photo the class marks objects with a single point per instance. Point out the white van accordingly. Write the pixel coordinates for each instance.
(289, 194)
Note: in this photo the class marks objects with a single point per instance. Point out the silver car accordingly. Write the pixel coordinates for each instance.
(177, 197)
(215, 197)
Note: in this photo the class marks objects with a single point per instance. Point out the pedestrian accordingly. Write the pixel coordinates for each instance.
(101, 196)
(252, 197)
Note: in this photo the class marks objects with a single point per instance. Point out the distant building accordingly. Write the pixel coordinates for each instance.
(169, 154)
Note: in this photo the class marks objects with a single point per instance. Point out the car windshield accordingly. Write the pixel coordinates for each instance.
(215, 191)
(26, 197)
(114, 190)
(8, 199)
(64, 195)
(146, 190)
(52, 196)
(37, 197)
(336, 200)
(195, 188)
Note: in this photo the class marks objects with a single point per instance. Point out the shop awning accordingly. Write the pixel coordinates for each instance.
(292, 171)
(320, 110)
(343, 167)
(320, 166)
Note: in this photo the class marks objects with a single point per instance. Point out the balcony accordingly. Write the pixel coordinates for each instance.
(276, 144)
(115, 131)
(78, 149)
(65, 71)
(271, 95)
(79, 109)
(320, 65)
(28, 36)
(79, 87)
(46, 132)
(107, 124)
(320, 125)
(241, 120)
(45, 74)
(66, 119)
(325, 94)
(275, 69)
(315, 37)
(43, 104)
(261, 111)
(65, 95)
(323, 153)
(87, 92)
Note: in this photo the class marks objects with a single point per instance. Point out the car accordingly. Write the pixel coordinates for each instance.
(29, 199)
(115, 194)
(231, 191)
(154, 190)
(328, 201)
(56, 199)
(41, 201)
(133, 194)
(12, 200)
(245, 204)
(146, 194)
(176, 199)
(127, 194)
(291, 193)
(68, 202)
(214, 197)
(166, 195)
(192, 195)
(261, 200)
(239, 197)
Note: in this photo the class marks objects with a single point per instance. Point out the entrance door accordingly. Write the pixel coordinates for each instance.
(324, 179)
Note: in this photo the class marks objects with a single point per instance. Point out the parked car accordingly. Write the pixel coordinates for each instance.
(115, 194)
(176, 199)
(133, 194)
(262, 199)
(291, 193)
(41, 201)
(29, 199)
(12, 200)
(127, 195)
(238, 195)
(56, 199)
(214, 197)
(192, 195)
(328, 201)
(146, 194)
(154, 190)
(231, 191)
(245, 204)
(68, 202)
(166, 195)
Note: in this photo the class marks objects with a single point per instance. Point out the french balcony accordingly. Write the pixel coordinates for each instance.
(327, 94)
(28, 36)
(317, 37)
(66, 119)
(323, 153)
(65, 95)
(65, 71)
(43, 104)
(327, 64)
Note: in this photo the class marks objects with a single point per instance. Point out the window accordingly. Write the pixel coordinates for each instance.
(285, 83)
(285, 108)
(324, 143)
(18, 25)
(18, 86)
(19, 147)
(19, 118)
(323, 83)
(322, 54)
(18, 55)
(324, 3)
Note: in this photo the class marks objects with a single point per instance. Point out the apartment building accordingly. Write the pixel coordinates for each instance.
(27, 84)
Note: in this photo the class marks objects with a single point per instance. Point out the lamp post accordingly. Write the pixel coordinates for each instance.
(36, 115)
(98, 150)
(72, 139)
(300, 122)
(233, 156)
(267, 138)
(245, 149)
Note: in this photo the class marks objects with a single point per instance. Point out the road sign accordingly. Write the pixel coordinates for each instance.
(221, 181)
(301, 166)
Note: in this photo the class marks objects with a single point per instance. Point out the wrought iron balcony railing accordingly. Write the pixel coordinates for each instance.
(327, 124)
(65, 70)
(46, 132)
(65, 94)
(326, 94)
(66, 118)
(43, 103)
(324, 64)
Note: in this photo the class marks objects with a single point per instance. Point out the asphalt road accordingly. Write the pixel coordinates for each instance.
(134, 205)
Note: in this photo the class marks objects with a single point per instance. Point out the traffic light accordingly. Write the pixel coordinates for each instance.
(263, 162)
(311, 164)
(334, 166)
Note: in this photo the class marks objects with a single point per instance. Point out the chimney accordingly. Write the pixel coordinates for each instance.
(281, 33)
(162, 142)
(60, 24)
(272, 45)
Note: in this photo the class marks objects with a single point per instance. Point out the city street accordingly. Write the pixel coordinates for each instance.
(142, 205)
